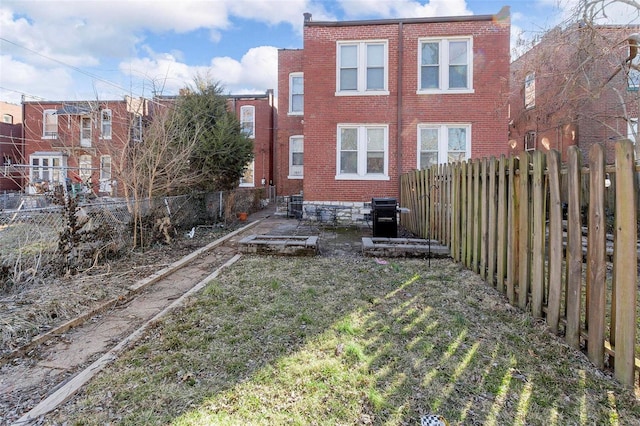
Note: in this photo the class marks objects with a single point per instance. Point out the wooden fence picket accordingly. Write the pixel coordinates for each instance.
(504, 219)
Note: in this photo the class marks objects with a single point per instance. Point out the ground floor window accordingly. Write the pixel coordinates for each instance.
(296, 154)
(247, 178)
(363, 151)
(47, 167)
(443, 143)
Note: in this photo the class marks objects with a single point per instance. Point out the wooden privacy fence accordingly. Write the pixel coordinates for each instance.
(506, 220)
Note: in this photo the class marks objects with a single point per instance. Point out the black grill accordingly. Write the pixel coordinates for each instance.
(385, 218)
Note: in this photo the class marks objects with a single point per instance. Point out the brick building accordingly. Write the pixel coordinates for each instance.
(74, 143)
(256, 114)
(366, 101)
(570, 89)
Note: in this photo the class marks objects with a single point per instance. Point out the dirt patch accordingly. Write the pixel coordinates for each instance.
(47, 303)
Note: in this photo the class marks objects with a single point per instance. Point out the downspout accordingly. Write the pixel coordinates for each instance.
(399, 104)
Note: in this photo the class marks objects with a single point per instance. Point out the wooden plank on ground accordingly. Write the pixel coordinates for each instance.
(596, 258)
(555, 242)
(574, 249)
(626, 263)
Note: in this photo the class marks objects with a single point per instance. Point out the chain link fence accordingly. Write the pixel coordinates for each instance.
(33, 230)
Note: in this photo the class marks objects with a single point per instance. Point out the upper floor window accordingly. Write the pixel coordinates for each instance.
(633, 78)
(136, 128)
(49, 124)
(106, 123)
(363, 151)
(296, 157)
(296, 93)
(445, 65)
(530, 140)
(443, 143)
(85, 131)
(530, 91)
(7, 118)
(362, 67)
(247, 120)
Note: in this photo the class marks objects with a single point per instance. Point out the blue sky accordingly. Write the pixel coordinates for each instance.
(106, 49)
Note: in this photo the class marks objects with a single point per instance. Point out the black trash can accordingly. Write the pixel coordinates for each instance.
(295, 206)
(384, 217)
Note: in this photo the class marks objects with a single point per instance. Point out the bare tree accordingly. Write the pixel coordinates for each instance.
(579, 82)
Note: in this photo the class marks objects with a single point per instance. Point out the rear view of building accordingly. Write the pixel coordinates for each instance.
(366, 101)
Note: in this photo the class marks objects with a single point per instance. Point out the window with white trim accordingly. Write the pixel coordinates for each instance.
(363, 151)
(7, 118)
(633, 78)
(247, 178)
(443, 143)
(106, 123)
(530, 91)
(105, 167)
(445, 65)
(248, 120)
(84, 168)
(136, 128)
(296, 93)
(49, 124)
(85, 131)
(46, 167)
(362, 67)
(632, 133)
(296, 157)
(530, 141)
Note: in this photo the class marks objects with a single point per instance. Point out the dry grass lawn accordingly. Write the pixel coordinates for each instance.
(343, 341)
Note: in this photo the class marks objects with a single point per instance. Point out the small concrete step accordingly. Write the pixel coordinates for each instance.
(291, 245)
(402, 247)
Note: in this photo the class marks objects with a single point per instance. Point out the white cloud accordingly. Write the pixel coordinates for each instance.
(404, 8)
(20, 78)
(255, 71)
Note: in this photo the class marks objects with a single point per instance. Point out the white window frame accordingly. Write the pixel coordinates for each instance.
(106, 123)
(296, 171)
(632, 130)
(105, 174)
(7, 118)
(530, 140)
(361, 173)
(49, 119)
(633, 77)
(135, 131)
(442, 130)
(52, 172)
(248, 178)
(530, 90)
(443, 65)
(85, 168)
(85, 131)
(361, 68)
(292, 77)
(248, 121)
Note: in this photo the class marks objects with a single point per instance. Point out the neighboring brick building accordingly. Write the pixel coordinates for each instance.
(256, 114)
(563, 93)
(10, 147)
(366, 101)
(74, 143)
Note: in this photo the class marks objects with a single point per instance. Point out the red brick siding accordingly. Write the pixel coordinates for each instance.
(289, 61)
(485, 109)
